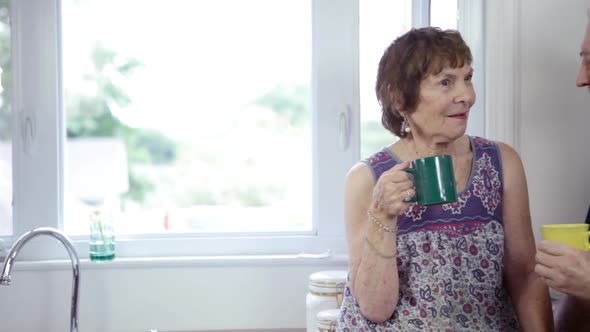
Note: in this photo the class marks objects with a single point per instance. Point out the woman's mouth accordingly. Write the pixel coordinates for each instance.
(459, 116)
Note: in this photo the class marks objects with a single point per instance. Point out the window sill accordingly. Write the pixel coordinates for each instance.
(188, 261)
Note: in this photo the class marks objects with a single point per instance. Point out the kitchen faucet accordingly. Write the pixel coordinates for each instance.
(5, 279)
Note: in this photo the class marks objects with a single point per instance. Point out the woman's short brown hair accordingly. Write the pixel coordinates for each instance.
(407, 61)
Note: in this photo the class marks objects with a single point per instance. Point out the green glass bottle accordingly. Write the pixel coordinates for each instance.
(102, 236)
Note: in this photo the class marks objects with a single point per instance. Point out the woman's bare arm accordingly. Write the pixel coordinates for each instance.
(529, 294)
(372, 249)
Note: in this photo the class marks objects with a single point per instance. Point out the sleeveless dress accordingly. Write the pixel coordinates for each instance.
(449, 257)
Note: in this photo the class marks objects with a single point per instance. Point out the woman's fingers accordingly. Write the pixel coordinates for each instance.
(402, 186)
(394, 190)
(401, 166)
(396, 176)
(407, 194)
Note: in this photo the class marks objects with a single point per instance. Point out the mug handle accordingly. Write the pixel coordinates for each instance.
(414, 199)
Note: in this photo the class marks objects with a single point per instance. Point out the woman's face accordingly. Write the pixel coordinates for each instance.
(444, 104)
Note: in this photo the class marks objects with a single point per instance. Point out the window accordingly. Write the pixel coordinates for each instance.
(5, 122)
(200, 125)
(375, 37)
(207, 131)
(443, 14)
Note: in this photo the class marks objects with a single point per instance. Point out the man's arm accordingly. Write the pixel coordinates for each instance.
(572, 315)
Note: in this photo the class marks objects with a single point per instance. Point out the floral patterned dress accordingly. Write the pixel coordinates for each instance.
(449, 257)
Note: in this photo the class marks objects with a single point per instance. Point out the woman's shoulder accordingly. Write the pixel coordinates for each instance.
(481, 142)
(507, 151)
(378, 162)
(384, 155)
(512, 165)
(359, 170)
(359, 179)
(509, 155)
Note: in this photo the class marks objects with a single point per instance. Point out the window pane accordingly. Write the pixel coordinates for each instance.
(443, 14)
(381, 21)
(5, 122)
(188, 116)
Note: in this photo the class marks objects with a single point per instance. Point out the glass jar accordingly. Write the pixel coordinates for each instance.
(325, 292)
(102, 236)
(326, 320)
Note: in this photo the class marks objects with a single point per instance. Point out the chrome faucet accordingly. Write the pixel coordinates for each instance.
(5, 279)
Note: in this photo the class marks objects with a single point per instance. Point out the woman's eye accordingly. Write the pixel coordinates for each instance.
(445, 82)
(469, 77)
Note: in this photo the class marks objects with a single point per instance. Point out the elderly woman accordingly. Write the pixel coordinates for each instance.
(461, 266)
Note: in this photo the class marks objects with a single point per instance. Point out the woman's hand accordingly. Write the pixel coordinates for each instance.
(392, 192)
(564, 268)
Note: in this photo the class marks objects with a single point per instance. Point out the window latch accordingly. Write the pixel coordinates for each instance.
(344, 128)
(28, 130)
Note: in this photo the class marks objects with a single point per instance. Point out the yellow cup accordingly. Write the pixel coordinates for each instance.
(576, 235)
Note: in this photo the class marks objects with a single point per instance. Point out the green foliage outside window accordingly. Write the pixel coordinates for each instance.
(92, 116)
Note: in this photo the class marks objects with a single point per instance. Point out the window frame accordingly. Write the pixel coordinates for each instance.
(39, 136)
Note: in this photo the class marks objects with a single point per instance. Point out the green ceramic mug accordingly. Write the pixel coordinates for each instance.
(434, 180)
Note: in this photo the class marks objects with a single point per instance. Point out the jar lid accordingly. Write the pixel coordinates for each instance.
(326, 319)
(330, 279)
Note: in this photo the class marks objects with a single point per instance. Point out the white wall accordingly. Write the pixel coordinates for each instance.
(532, 102)
(189, 295)
(554, 119)
(551, 134)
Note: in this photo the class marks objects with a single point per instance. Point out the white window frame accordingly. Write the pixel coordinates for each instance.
(471, 24)
(39, 135)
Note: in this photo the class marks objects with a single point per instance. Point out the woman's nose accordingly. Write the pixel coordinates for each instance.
(466, 94)
(583, 75)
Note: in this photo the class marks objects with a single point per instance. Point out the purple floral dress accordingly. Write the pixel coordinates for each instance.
(449, 257)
